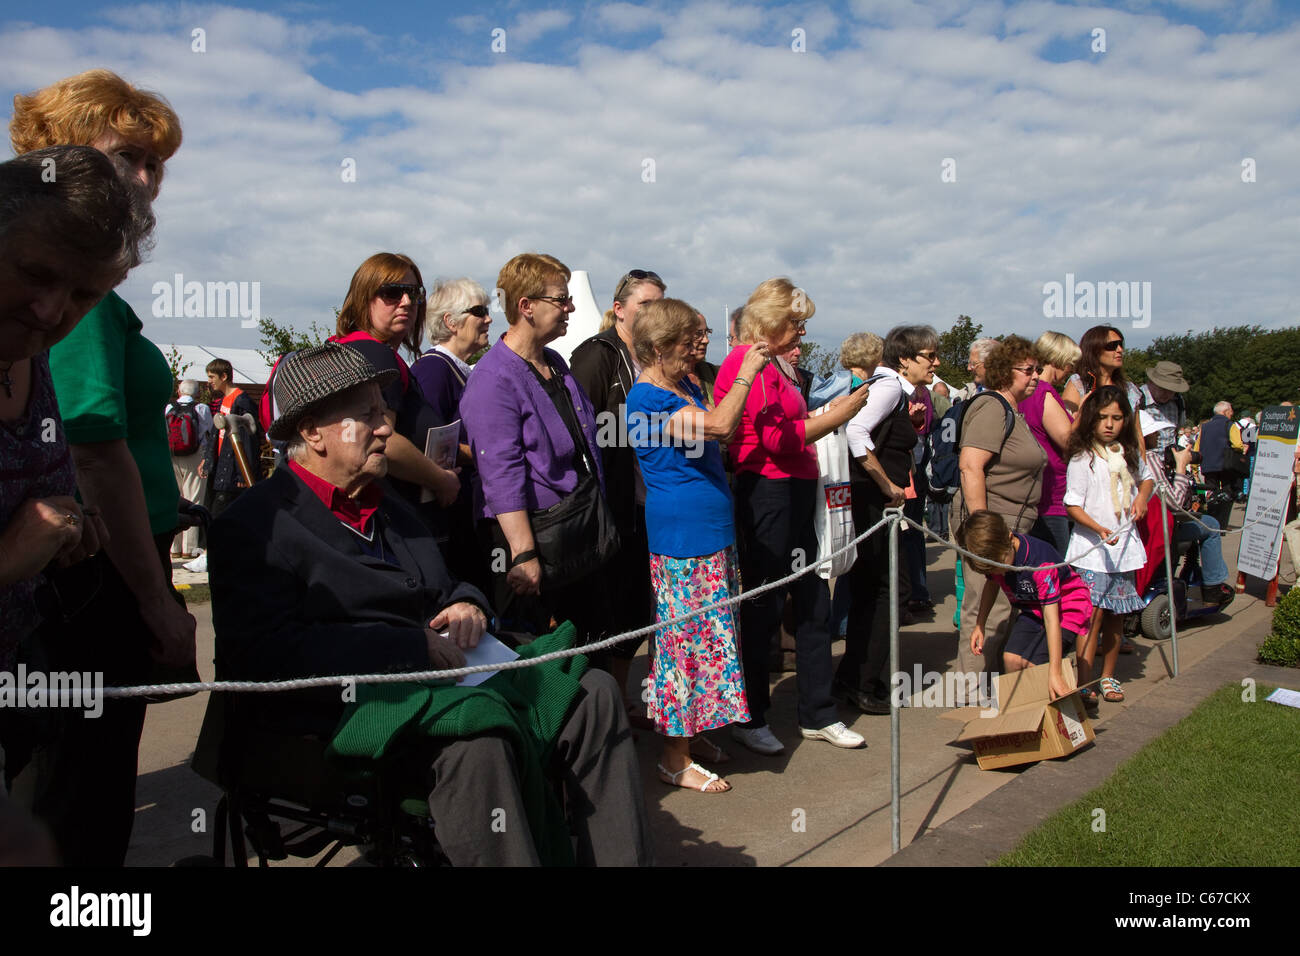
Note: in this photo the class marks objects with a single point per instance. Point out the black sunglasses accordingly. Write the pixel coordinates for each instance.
(635, 275)
(559, 301)
(481, 311)
(392, 292)
(1112, 346)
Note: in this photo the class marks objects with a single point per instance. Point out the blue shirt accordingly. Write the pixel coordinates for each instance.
(687, 503)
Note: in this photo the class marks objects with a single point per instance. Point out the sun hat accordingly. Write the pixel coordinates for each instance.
(1169, 376)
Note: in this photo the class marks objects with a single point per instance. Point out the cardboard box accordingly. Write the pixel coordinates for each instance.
(1027, 725)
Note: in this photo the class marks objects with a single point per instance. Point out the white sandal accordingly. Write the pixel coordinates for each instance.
(704, 787)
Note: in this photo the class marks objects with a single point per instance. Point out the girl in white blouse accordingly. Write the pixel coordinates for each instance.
(1107, 485)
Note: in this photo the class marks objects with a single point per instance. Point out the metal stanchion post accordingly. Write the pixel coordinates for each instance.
(1169, 575)
(895, 805)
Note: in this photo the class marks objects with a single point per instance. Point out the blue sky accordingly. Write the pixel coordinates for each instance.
(825, 165)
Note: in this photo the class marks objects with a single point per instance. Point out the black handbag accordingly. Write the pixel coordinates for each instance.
(575, 536)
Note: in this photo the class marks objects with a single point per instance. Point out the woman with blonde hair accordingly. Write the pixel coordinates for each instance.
(1048, 419)
(775, 489)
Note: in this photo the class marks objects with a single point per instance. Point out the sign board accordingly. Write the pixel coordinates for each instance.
(1270, 488)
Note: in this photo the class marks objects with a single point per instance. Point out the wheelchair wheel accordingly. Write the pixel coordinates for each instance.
(1156, 621)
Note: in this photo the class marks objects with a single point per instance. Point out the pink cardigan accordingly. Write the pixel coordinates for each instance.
(770, 436)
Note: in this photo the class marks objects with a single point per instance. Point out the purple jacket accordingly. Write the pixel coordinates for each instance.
(526, 457)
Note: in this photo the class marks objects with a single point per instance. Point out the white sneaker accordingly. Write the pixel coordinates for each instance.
(199, 565)
(761, 740)
(837, 734)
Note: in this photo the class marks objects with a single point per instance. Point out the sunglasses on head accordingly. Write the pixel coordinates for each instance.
(1113, 345)
(634, 275)
(480, 311)
(392, 292)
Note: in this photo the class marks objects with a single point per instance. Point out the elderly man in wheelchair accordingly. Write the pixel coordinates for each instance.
(317, 572)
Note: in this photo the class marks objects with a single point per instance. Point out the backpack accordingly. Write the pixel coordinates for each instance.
(943, 471)
(183, 429)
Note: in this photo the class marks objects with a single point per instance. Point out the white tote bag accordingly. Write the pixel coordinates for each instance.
(834, 516)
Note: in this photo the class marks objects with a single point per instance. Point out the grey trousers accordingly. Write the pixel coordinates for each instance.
(479, 816)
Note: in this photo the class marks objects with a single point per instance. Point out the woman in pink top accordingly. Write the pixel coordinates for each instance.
(1046, 415)
(775, 492)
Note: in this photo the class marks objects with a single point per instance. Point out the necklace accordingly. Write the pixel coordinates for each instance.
(6, 382)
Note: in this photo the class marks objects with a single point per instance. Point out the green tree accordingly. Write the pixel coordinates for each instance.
(819, 359)
(954, 350)
(1243, 364)
(279, 339)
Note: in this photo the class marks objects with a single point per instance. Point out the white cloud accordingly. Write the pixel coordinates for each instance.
(533, 25)
(824, 166)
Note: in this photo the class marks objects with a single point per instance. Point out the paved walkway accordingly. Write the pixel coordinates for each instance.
(816, 805)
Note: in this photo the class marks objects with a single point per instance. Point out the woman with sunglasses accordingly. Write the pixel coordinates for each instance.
(456, 321)
(1101, 362)
(775, 492)
(384, 310)
(606, 368)
(1002, 472)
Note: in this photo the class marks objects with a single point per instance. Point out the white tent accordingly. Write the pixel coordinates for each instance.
(585, 320)
(250, 368)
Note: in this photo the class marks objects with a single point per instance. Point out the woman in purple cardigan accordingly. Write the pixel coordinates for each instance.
(523, 411)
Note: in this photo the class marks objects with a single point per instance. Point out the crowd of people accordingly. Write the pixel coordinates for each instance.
(362, 552)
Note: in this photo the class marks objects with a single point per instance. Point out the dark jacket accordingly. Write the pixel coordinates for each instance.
(1216, 436)
(602, 365)
(223, 467)
(295, 595)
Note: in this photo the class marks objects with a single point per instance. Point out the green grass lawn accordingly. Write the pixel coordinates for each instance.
(1218, 789)
(195, 593)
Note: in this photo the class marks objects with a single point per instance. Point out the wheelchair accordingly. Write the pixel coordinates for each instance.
(1163, 608)
(282, 797)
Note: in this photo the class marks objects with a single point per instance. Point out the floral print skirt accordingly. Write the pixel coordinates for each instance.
(1112, 590)
(696, 681)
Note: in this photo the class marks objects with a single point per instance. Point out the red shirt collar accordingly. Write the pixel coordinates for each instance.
(353, 512)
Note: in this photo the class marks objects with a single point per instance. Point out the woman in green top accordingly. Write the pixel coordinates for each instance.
(112, 385)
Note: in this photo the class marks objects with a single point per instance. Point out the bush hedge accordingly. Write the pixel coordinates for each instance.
(1283, 646)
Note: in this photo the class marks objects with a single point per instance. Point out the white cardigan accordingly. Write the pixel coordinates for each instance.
(1087, 485)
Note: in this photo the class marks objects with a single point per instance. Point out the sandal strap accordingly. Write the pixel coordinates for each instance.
(709, 775)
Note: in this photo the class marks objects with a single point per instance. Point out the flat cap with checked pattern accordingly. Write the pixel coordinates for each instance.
(309, 376)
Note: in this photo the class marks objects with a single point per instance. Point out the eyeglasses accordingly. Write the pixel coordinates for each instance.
(481, 311)
(634, 275)
(1113, 345)
(701, 336)
(929, 355)
(1029, 369)
(559, 301)
(392, 293)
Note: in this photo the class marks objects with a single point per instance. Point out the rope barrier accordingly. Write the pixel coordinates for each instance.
(305, 683)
